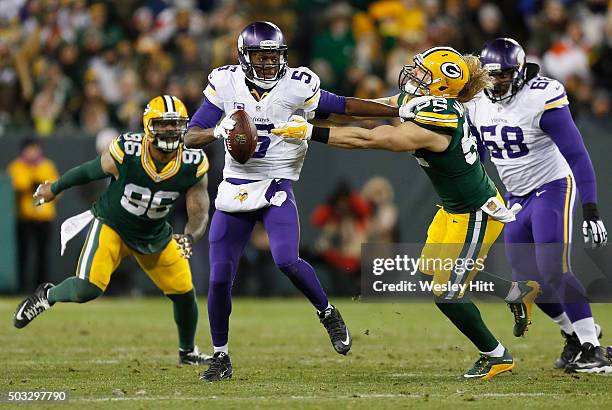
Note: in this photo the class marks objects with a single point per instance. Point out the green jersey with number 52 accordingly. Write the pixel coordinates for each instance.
(457, 174)
(138, 202)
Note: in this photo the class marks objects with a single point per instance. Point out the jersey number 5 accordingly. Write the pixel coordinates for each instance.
(137, 200)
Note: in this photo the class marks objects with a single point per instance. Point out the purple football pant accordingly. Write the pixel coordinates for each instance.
(229, 234)
(546, 221)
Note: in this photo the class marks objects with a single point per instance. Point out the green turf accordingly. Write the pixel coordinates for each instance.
(404, 355)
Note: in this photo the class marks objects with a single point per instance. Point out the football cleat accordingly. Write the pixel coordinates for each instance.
(193, 357)
(220, 368)
(590, 359)
(522, 306)
(336, 328)
(32, 306)
(572, 348)
(486, 366)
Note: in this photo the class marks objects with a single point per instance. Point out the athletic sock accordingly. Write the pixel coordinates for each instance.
(563, 321)
(586, 332)
(185, 307)
(223, 349)
(501, 287)
(73, 289)
(497, 352)
(466, 317)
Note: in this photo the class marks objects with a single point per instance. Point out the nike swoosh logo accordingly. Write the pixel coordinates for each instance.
(523, 316)
(19, 312)
(540, 193)
(347, 340)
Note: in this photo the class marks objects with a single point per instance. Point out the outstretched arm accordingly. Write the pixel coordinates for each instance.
(198, 204)
(98, 168)
(338, 109)
(405, 137)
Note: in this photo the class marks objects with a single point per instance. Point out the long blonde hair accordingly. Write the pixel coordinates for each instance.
(479, 79)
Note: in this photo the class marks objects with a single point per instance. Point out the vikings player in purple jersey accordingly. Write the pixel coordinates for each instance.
(261, 190)
(525, 123)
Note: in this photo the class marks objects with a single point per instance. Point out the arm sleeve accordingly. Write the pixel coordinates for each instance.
(79, 175)
(560, 126)
(206, 116)
(330, 103)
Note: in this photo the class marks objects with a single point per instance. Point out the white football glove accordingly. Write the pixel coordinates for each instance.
(406, 111)
(595, 233)
(593, 228)
(296, 130)
(222, 129)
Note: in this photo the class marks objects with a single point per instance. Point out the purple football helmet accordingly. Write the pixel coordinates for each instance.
(504, 59)
(262, 36)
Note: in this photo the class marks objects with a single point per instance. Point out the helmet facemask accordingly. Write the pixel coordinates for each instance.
(506, 82)
(167, 132)
(416, 79)
(265, 63)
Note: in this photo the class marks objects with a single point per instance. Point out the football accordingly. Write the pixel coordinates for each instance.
(242, 140)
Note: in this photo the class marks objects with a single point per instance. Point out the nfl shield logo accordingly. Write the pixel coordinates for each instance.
(238, 106)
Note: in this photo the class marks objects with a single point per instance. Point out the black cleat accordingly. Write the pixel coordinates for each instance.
(590, 359)
(32, 306)
(571, 348)
(220, 368)
(193, 357)
(336, 328)
(522, 307)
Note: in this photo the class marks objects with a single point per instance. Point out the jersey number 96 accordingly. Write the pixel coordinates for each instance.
(137, 200)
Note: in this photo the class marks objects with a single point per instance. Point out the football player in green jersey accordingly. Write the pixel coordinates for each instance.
(473, 213)
(149, 172)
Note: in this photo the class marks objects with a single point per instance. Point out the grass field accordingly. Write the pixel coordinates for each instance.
(121, 353)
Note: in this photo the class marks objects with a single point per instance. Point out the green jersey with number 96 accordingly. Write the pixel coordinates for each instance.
(138, 202)
(457, 174)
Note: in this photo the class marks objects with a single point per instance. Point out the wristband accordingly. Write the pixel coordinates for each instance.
(320, 134)
(590, 211)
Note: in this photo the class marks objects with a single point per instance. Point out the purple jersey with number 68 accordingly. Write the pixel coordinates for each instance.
(297, 92)
(524, 155)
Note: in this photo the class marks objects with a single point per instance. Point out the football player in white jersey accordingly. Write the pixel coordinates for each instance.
(261, 189)
(525, 124)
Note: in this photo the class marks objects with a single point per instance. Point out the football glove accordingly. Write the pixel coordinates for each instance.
(222, 129)
(593, 228)
(185, 244)
(406, 111)
(296, 130)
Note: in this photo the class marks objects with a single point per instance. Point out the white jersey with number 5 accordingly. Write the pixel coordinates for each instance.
(524, 155)
(296, 93)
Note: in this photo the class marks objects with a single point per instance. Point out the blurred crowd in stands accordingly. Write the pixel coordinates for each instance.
(82, 66)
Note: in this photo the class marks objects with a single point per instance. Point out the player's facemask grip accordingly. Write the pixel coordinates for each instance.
(167, 133)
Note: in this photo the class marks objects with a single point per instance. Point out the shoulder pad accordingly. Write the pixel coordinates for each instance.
(197, 158)
(546, 93)
(129, 143)
(303, 85)
(439, 113)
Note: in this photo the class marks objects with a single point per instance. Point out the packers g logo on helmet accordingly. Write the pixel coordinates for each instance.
(165, 122)
(439, 71)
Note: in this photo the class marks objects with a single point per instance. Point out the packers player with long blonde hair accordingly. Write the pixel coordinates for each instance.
(472, 214)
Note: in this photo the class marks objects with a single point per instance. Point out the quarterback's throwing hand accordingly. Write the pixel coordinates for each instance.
(296, 130)
(222, 129)
(43, 194)
(185, 244)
